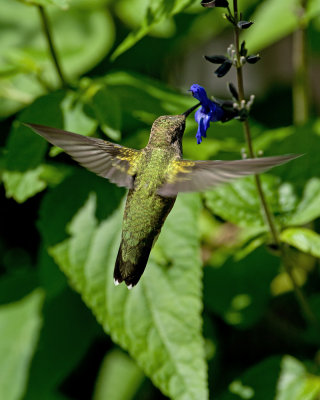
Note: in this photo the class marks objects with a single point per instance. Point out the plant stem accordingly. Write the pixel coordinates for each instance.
(47, 32)
(247, 133)
(300, 90)
(304, 305)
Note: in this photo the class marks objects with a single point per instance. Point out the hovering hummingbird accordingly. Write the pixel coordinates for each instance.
(154, 176)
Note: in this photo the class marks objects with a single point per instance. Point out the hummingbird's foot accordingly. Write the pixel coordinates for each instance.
(116, 282)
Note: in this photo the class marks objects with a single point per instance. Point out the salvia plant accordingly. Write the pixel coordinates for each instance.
(225, 300)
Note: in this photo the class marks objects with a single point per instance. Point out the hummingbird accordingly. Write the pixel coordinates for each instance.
(154, 176)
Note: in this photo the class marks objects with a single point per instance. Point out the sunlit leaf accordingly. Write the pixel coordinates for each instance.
(110, 383)
(156, 12)
(308, 208)
(20, 325)
(82, 35)
(74, 117)
(295, 382)
(303, 239)
(164, 339)
(22, 185)
(60, 3)
(124, 9)
(277, 18)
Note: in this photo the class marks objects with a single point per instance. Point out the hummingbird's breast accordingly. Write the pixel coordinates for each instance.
(146, 211)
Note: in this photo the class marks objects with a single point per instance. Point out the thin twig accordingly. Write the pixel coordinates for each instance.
(302, 300)
(47, 32)
(300, 92)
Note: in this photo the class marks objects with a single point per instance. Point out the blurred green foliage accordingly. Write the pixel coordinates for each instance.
(214, 315)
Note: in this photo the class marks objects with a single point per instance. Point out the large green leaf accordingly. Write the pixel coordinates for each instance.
(20, 325)
(83, 35)
(110, 383)
(156, 12)
(159, 321)
(62, 202)
(303, 239)
(239, 203)
(68, 330)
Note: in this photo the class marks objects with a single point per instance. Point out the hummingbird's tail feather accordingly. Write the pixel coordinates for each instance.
(128, 271)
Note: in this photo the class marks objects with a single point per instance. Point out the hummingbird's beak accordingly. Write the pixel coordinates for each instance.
(186, 113)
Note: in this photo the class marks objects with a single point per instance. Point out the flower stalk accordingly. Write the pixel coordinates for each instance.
(52, 49)
(302, 300)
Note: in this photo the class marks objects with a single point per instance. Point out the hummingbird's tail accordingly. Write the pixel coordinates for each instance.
(130, 271)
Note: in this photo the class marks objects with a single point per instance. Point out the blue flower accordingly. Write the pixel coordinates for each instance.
(209, 111)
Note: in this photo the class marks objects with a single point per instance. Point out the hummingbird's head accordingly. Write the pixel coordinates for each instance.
(167, 129)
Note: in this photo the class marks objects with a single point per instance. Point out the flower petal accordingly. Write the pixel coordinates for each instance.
(200, 94)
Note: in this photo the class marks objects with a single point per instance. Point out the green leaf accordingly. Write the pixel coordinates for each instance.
(110, 383)
(20, 325)
(295, 382)
(82, 35)
(22, 185)
(25, 149)
(238, 202)
(63, 4)
(134, 20)
(233, 290)
(75, 119)
(159, 322)
(61, 203)
(308, 208)
(69, 330)
(304, 140)
(303, 239)
(107, 108)
(156, 12)
(278, 18)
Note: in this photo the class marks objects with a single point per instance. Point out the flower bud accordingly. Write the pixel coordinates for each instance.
(243, 50)
(244, 24)
(253, 59)
(233, 91)
(216, 59)
(223, 69)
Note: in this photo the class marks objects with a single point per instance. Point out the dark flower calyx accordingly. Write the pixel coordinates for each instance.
(243, 50)
(253, 59)
(233, 91)
(214, 3)
(230, 19)
(223, 69)
(244, 24)
(216, 59)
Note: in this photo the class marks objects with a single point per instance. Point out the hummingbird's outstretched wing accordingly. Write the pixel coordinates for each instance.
(109, 160)
(191, 176)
